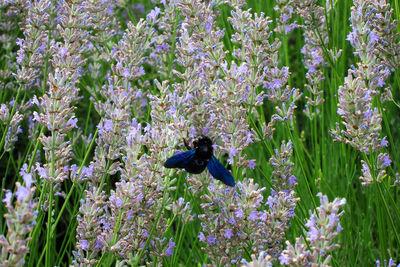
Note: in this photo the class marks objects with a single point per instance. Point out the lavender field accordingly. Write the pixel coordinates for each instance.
(300, 99)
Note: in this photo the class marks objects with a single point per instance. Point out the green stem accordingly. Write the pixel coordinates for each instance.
(48, 238)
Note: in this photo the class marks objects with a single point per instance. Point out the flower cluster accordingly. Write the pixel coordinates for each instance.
(322, 229)
(362, 121)
(382, 161)
(389, 263)
(373, 38)
(90, 223)
(13, 125)
(113, 126)
(235, 221)
(285, 10)
(20, 218)
(137, 207)
(315, 50)
(102, 20)
(32, 51)
(56, 111)
(132, 220)
(261, 55)
(283, 178)
(263, 260)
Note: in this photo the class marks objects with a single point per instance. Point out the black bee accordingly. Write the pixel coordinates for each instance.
(198, 158)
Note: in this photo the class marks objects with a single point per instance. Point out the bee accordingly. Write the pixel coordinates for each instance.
(198, 157)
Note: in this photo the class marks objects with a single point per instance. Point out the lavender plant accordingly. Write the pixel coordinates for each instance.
(235, 222)
(361, 119)
(315, 51)
(20, 220)
(322, 229)
(96, 95)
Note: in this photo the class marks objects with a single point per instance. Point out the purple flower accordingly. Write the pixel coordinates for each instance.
(20, 56)
(386, 161)
(126, 73)
(339, 228)
(193, 132)
(153, 14)
(239, 213)
(28, 180)
(232, 152)
(41, 171)
(251, 164)
(63, 51)
(74, 168)
(163, 46)
(139, 71)
(7, 198)
(201, 237)
(145, 234)
(384, 142)
(20, 42)
(22, 193)
(211, 240)
(228, 233)
(172, 111)
(373, 37)
(249, 136)
(84, 244)
(205, 130)
(72, 122)
(170, 250)
(116, 201)
(99, 243)
(209, 24)
(253, 216)
(232, 220)
(87, 171)
(380, 82)
(292, 180)
(192, 48)
(108, 124)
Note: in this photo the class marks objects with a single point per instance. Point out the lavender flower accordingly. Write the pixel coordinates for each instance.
(373, 37)
(263, 260)
(232, 221)
(322, 229)
(362, 122)
(283, 177)
(134, 213)
(285, 10)
(261, 56)
(360, 118)
(32, 48)
(103, 20)
(382, 162)
(210, 104)
(14, 127)
(316, 41)
(20, 219)
(90, 242)
(182, 209)
(242, 218)
(389, 263)
(136, 207)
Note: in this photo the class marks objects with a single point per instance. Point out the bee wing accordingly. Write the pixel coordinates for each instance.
(180, 160)
(220, 172)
